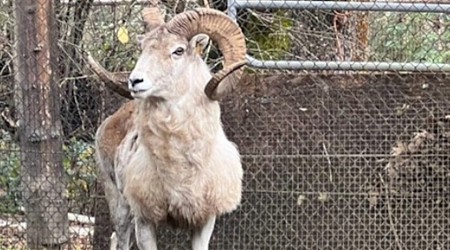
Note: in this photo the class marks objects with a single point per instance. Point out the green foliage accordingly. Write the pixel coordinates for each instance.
(5, 17)
(102, 40)
(5, 245)
(9, 175)
(80, 169)
(269, 40)
(411, 37)
(79, 166)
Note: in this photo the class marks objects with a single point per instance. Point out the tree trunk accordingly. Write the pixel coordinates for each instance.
(40, 134)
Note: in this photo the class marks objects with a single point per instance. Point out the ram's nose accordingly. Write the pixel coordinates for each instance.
(138, 82)
(133, 81)
(136, 77)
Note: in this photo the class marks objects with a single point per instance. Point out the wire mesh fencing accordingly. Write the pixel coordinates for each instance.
(332, 160)
(343, 35)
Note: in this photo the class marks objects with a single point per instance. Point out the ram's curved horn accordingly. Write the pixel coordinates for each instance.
(226, 33)
(112, 81)
(153, 17)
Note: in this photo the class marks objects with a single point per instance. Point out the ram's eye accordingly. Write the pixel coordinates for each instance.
(179, 51)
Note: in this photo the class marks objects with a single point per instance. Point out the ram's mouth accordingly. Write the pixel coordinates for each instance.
(137, 91)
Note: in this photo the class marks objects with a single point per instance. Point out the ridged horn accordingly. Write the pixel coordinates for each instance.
(111, 81)
(153, 17)
(226, 33)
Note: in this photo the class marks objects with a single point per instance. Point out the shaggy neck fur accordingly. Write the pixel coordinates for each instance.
(178, 133)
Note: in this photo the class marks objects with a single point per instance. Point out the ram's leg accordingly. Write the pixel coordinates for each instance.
(145, 235)
(201, 237)
(120, 216)
(123, 224)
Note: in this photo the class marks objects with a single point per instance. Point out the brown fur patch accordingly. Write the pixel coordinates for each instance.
(115, 129)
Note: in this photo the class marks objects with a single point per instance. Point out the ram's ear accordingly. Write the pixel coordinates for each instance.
(199, 43)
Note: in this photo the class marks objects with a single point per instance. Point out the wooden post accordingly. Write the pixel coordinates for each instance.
(40, 133)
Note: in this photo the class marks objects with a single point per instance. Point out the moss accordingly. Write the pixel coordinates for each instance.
(270, 40)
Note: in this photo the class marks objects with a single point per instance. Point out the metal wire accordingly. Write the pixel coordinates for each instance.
(332, 160)
(361, 66)
(341, 6)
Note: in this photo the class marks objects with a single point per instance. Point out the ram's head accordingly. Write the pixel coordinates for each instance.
(169, 49)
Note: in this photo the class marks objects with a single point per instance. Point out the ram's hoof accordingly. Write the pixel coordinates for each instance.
(113, 241)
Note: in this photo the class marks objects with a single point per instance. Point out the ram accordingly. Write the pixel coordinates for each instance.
(164, 156)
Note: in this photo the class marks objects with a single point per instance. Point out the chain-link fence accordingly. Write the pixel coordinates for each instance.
(332, 159)
(346, 35)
